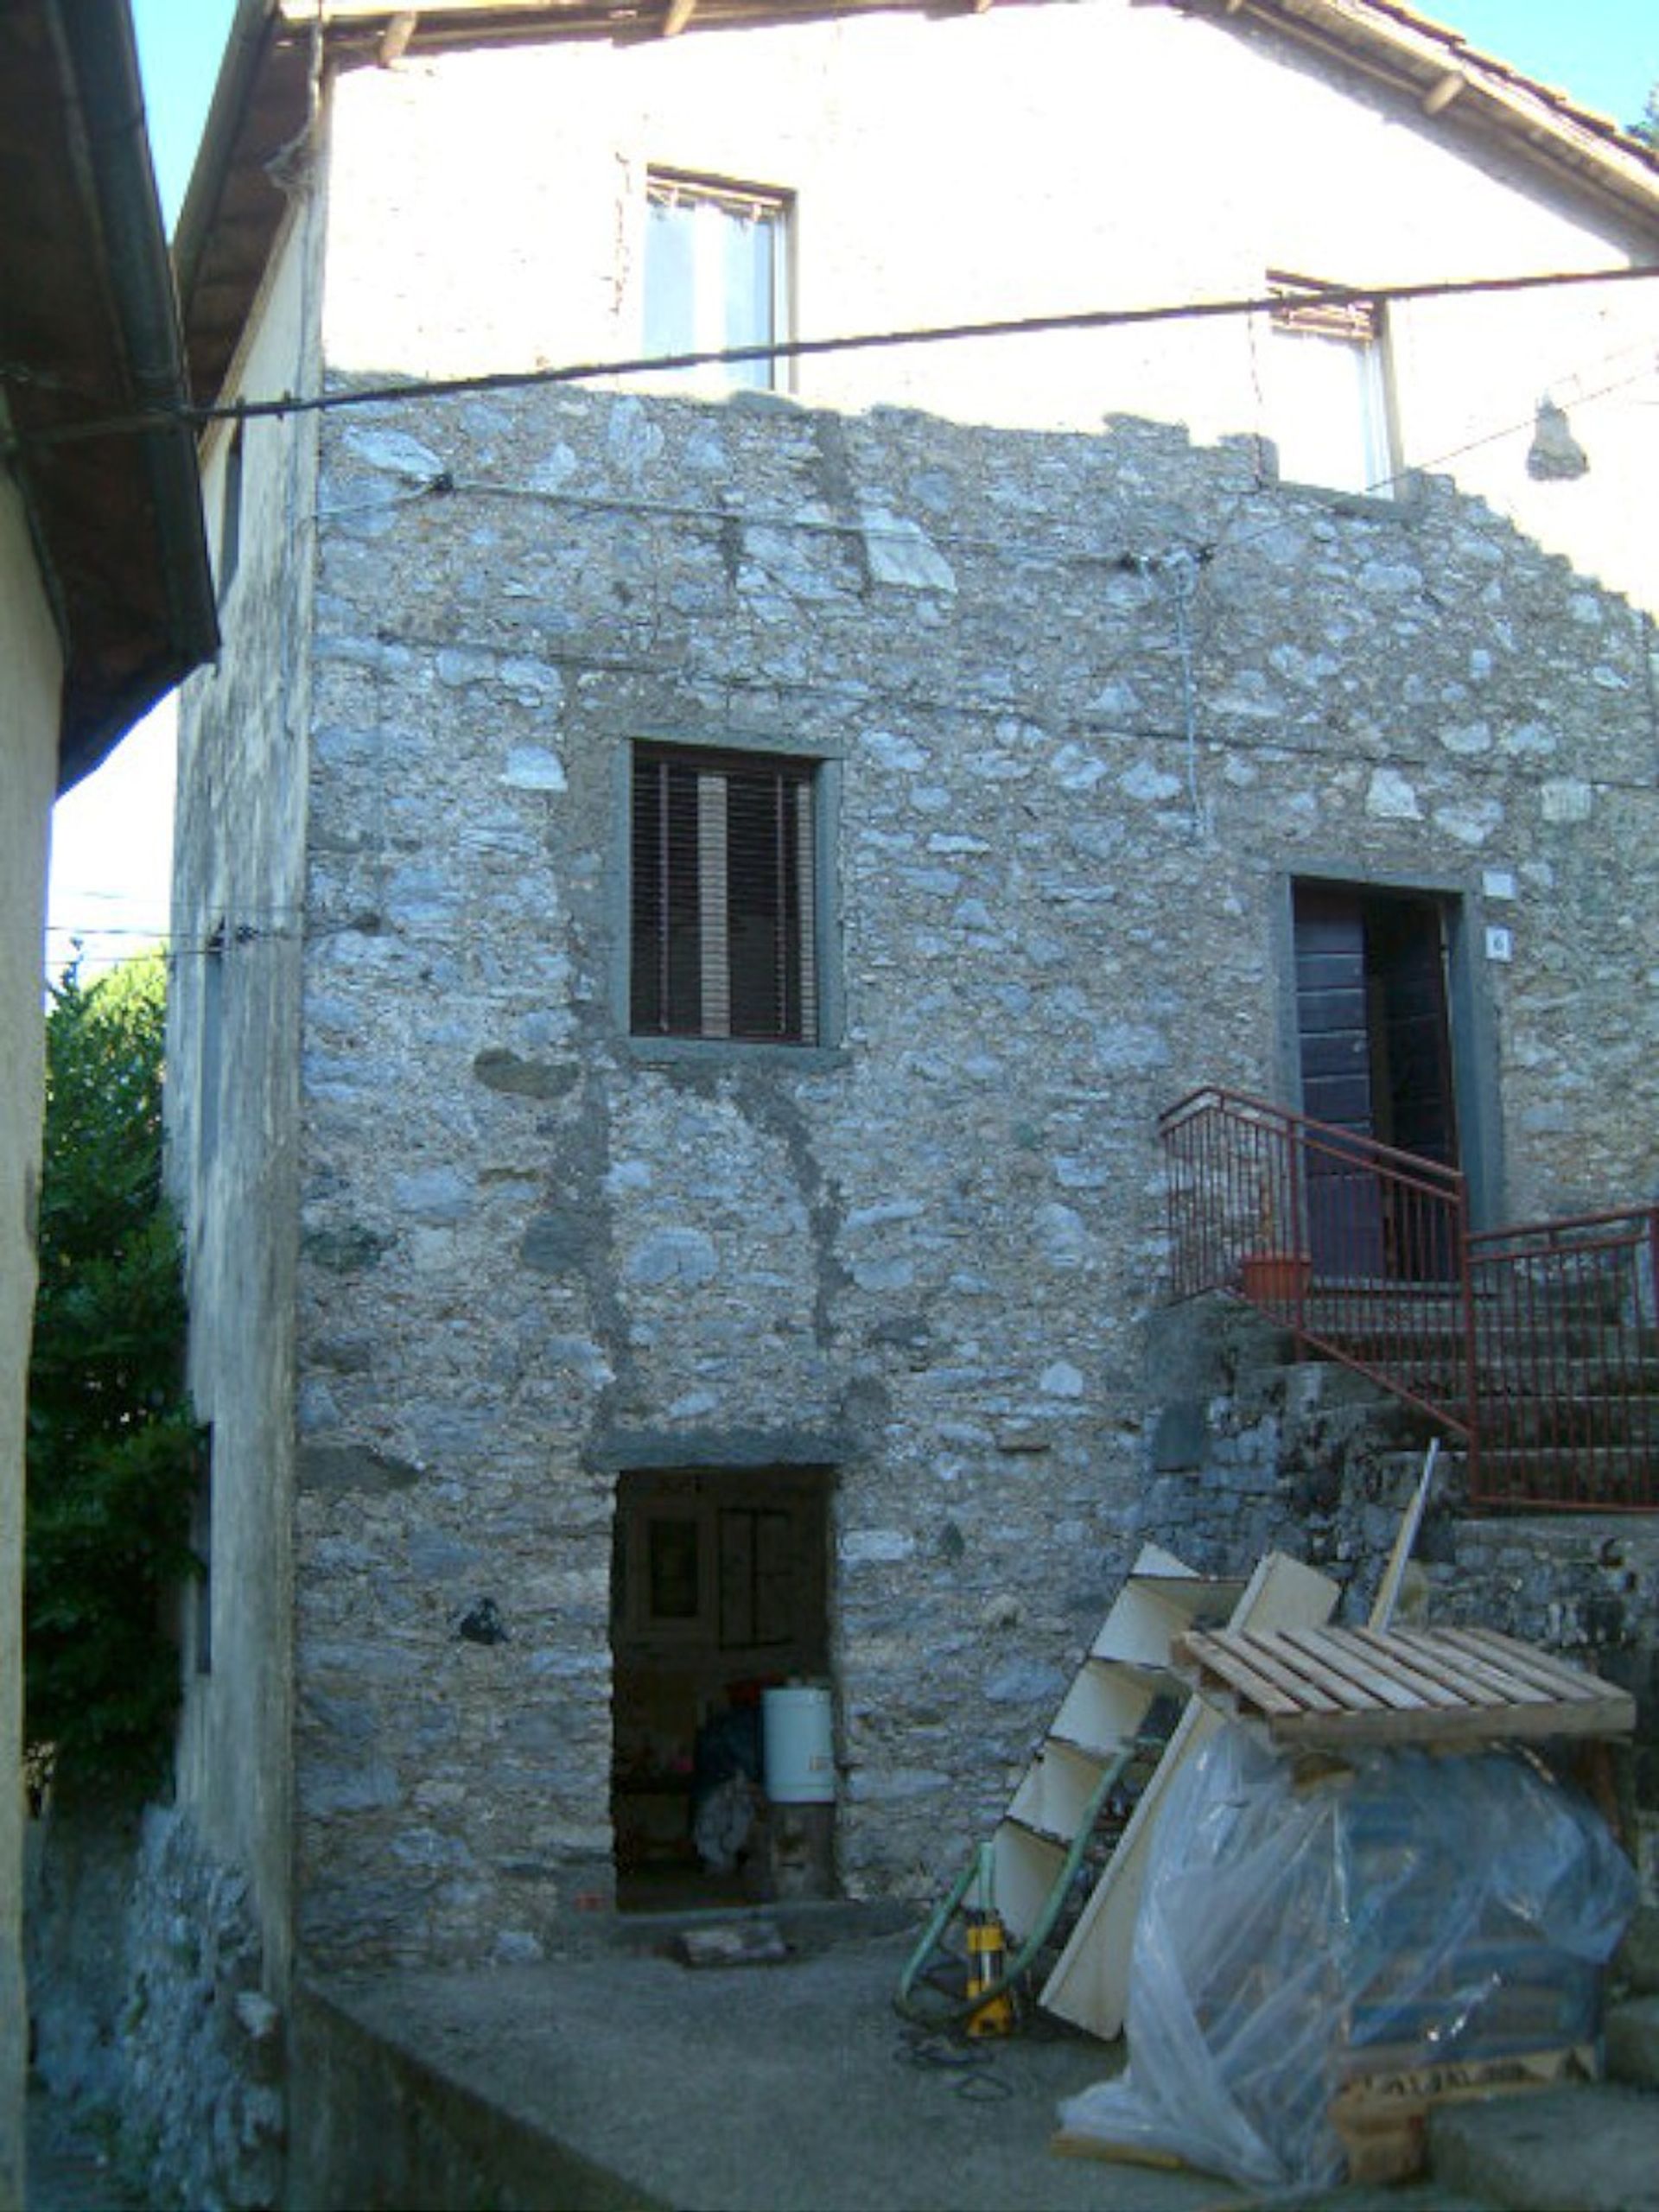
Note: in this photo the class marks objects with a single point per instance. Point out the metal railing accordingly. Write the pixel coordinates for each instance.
(1537, 1346)
(1566, 1350)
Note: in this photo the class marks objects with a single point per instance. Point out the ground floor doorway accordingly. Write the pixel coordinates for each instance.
(719, 1592)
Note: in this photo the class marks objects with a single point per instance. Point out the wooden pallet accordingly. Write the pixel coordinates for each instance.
(1326, 1688)
(1382, 2120)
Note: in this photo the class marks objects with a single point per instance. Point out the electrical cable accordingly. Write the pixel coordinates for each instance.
(140, 422)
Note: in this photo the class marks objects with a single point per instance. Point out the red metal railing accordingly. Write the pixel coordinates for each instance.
(1567, 1347)
(1537, 1346)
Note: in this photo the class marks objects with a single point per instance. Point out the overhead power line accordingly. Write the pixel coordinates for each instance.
(794, 349)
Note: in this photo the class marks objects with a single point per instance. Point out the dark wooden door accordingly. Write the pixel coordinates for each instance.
(1375, 1041)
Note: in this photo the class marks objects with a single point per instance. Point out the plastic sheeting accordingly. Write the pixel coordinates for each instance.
(1299, 1929)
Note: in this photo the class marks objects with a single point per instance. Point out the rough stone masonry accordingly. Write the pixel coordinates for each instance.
(1081, 708)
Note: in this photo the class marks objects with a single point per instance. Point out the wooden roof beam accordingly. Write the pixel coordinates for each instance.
(394, 40)
(1441, 93)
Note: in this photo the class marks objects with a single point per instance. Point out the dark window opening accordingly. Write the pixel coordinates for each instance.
(723, 888)
(201, 1543)
(230, 516)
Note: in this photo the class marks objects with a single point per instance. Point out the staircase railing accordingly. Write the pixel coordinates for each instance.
(1566, 1335)
(1537, 1346)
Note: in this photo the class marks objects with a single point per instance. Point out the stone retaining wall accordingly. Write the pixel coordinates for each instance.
(146, 1999)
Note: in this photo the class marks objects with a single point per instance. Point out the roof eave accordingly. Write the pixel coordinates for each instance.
(1449, 78)
(234, 209)
(117, 519)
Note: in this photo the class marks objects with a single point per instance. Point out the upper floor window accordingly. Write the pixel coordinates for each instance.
(724, 895)
(716, 267)
(1329, 380)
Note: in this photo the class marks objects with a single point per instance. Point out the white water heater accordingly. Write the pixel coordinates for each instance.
(797, 1743)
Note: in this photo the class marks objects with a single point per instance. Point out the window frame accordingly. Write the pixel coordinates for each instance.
(710, 332)
(1300, 316)
(232, 496)
(823, 766)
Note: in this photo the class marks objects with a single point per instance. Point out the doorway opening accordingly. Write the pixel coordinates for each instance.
(719, 1592)
(1374, 1035)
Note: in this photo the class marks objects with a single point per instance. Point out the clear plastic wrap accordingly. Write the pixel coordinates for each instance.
(1302, 1929)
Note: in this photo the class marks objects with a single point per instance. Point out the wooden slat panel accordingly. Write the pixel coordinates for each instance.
(1476, 1678)
(1429, 1686)
(1558, 1675)
(1341, 1660)
(1241, 1662)
(1330, 1687)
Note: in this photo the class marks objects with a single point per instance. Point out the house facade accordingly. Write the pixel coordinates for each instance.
(701, 895)
(105, 600)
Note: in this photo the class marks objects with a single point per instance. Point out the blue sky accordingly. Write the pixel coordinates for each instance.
(113, 835)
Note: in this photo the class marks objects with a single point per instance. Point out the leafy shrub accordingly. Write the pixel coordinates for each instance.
(112, 1444)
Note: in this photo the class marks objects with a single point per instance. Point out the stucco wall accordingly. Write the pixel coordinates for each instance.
(233, 1012)
(1026, 161)
(537, 1251)
(28, 758)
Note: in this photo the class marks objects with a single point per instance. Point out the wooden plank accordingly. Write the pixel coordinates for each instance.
(1479, 1679)
(1341, 1657)
(1385, 1652)
(1320, 1687)
(1465, 1726)
(1542, 1668)
(1387, 1590)
(1259, 1669)
(1066, 2143)
(1216, 1667)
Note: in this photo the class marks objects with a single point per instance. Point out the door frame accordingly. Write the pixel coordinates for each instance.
(1470, 1015)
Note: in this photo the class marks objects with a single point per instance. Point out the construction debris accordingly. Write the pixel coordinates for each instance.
(1317, 1931)
(732, 1943)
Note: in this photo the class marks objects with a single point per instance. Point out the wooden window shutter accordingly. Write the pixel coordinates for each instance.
(724, 938)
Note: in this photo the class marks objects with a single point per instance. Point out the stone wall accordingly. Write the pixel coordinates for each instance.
(1084, 707)
(149, 2008)
(1250, 1449)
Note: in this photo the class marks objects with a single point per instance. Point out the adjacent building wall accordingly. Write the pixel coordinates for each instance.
(29, 762)
(1021, 162)
(233, 1061)
(1085, 707)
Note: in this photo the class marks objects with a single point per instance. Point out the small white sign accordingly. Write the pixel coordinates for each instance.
(1500, 944)
(1498, 883)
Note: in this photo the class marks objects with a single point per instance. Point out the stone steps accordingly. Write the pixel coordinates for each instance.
(1591, 2147)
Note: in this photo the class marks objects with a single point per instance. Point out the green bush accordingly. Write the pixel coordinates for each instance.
(113, 1446)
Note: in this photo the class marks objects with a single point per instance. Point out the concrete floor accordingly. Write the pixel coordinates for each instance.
(792, 2087)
